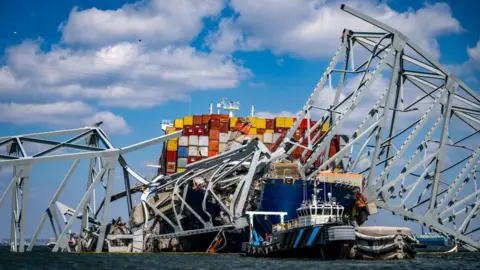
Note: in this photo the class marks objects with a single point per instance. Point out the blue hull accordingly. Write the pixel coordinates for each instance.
(287, 197)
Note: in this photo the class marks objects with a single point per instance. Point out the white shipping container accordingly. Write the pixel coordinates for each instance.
(182, 162)
(268, 137)
(203, 151)
(193, 140)
(203, 141)
(183, 141)
(193, 151)
(223, 138)
(276, 136)
(222, 147)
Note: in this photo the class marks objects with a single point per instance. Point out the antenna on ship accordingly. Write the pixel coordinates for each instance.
(211, 108)
(231, 107)
(252, 111)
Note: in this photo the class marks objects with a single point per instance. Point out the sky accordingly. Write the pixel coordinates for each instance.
(131, 64)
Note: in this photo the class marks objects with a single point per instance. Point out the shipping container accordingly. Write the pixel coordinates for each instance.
(279, 122)
(212, 153)
(261, 123)
(171, 130)
(192, 151)
(182, 151)
(203, 151)
(171, 156)
(268, 138)
(253, 121)
(188, 130)
(205, 118)
(252, 131)
(183, 141)
(178, 123)
(233, 121)
(180, 170)
(203, 141)
(171, 167)
(269, 124)
(199, 130)
(213, 145)
(214, 124)
(260, 131)
(269, 131)
(172, 145)
(188, 120)
(222, 147)
(214, 134)
(193, 140)
(223, 138)
(182, 162)
(197, 119)
(223, 127)
(289, 122)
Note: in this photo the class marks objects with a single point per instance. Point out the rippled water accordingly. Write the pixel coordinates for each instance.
(48, 260)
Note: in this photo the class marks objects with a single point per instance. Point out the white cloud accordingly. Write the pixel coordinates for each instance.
(156, 22)
(310, 29)
(120, 75)
(111, 123)
(60, 114)
(469, 69)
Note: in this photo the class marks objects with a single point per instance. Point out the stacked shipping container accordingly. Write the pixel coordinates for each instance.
(207, 135)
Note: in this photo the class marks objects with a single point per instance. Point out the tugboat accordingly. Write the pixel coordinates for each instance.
(319, 231)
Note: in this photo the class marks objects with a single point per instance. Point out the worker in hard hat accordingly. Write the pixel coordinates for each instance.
(358, 209)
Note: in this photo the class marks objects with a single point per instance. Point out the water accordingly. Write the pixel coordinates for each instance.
(48, 260)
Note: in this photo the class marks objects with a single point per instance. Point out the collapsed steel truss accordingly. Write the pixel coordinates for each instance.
(95, 146)
(393, 127)
(442, 123)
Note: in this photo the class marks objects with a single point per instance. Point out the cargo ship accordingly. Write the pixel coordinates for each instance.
(282, 189)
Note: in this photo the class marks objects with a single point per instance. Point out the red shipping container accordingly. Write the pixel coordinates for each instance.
(303, 124)
(171, 156)
(212, 153)
(199, 130)
(260, 131)
(281, 130)
(224, 117)
(205, 118)
(213, 145)
(214, 134)
(270, 123)
(223, 127)
(197, 119)
(193, 159)
(188, 130)
(214, 123)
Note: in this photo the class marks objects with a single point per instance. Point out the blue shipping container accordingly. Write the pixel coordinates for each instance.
(182, 151)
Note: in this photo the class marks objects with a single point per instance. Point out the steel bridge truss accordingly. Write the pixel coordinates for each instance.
(90, 143)
(417, 140)
(225, 181)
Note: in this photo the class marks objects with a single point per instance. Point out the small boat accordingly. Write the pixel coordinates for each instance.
(319, 231)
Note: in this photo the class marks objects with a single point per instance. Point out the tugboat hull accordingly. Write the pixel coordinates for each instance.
(322, 242)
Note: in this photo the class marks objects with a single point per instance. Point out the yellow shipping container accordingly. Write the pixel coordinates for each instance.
(188, 120)
(253, 131)
(172, 145)
(233, 121)
(171, 130)
(289, 122)
(269, 131)
(325, 127)
(260, 137)
(280, 122)
(178, 123)
(261, 123)
(253, 120)
(180, 169)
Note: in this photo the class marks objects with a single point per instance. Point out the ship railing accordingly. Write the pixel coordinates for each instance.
(306, 221)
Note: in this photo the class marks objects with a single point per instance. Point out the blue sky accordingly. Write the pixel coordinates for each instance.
(66, 64)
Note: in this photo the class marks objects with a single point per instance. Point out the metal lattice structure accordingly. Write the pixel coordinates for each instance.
(417, 129)
(90, 143)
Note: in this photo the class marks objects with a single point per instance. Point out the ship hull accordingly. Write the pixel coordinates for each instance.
(320, 242)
